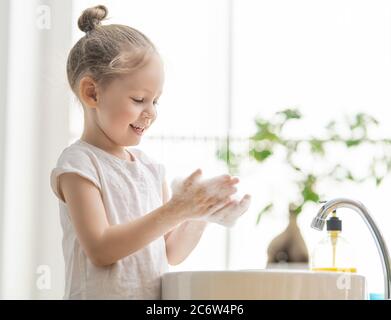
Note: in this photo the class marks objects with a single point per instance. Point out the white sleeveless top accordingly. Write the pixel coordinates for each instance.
(129, 190)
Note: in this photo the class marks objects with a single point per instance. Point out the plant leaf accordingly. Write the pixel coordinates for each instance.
(260, 156)
(317, 146)
(291, 114)
(263, 211)
(308, 191)
(353, 142)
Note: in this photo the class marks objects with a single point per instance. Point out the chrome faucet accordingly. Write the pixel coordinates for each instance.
(319, 221)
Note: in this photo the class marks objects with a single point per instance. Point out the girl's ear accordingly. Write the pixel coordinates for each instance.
(88, 92)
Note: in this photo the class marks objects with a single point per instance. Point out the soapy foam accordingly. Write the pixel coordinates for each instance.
(225, 215)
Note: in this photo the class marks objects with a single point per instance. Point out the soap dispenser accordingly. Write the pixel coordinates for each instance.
(333, 253)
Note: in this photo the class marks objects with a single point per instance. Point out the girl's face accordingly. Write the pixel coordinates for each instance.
(126, 108)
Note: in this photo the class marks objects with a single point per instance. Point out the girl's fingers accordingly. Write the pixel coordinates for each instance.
(229, 181)
(245, 202)
(217, 182)
(220, 206)
(227, 209)
(227, 192)
(228, 184)
(245, 199)
(218, 193)
(234, 180)
(228, 214)
(237, 208)
(222, 180)
(194, 176)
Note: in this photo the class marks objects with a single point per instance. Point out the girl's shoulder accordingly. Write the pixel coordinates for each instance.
(75, 159)
(76, 151)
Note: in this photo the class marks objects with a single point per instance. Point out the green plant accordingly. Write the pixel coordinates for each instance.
(351, 133)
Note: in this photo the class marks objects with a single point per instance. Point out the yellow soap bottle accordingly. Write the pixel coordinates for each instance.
(333, 253)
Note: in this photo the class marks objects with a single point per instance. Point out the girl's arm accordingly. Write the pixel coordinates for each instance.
(181, 241)
(104, 244)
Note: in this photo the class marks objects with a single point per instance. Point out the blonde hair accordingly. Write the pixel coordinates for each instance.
(106, 51)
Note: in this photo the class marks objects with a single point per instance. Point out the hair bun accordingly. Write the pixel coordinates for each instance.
(91, 17)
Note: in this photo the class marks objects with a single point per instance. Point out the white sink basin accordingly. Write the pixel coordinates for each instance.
(263, 284)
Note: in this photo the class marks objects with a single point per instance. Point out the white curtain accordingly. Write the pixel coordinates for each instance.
(35, 38)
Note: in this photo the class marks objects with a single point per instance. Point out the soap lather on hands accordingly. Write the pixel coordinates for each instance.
(212, 199)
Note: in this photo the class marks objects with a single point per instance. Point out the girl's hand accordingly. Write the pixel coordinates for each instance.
(228, 215)
(195, 199)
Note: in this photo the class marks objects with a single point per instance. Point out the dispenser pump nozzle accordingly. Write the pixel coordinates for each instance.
(334, 223)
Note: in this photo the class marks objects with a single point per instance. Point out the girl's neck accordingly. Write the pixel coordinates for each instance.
(106, 144)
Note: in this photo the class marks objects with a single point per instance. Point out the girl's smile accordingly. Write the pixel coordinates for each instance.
(137, 130)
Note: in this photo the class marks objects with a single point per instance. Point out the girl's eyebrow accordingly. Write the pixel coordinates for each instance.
(150, 91)
(147, 90)
(159, 94)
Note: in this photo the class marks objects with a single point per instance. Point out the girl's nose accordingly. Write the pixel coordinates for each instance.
(150, 113)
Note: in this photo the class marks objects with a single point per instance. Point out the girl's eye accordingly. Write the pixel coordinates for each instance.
(142, 100)
(138, 100)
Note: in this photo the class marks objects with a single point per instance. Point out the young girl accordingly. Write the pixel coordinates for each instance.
(120, 229)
